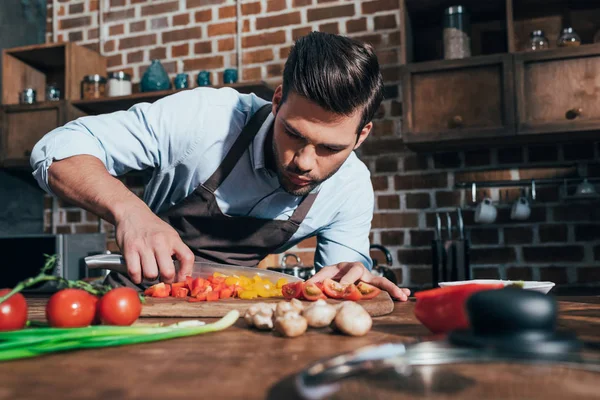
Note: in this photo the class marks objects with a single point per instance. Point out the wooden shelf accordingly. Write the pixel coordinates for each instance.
(112, 104)
(37, 66)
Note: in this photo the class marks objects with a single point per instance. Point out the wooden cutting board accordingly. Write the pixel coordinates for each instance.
(178, 307)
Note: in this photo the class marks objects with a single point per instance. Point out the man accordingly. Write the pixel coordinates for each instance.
(233, 177)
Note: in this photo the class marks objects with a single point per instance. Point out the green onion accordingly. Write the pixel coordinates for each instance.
(27, 343)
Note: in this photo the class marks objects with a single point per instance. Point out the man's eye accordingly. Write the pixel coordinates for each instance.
(292, 134)
(332, 149)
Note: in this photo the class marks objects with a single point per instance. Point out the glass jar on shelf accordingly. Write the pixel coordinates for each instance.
(93, 87)
(537, 41)
(456, 32)
(569, 38)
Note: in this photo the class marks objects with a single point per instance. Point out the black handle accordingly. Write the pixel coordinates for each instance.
(388, 256)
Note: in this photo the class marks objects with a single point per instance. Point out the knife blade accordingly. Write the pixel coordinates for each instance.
(116, 262)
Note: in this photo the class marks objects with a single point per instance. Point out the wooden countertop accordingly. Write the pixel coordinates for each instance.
(239, 363)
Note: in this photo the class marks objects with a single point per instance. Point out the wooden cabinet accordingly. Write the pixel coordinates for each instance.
(502, 93)
(24, 125)
(558, 90)
(461, 99)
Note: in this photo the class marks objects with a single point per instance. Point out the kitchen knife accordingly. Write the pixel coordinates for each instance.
(437, 250)
(461, 247)
(116, 262)
(450, 247)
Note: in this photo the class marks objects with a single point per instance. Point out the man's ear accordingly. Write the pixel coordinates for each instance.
(277, 96)
(363, 134)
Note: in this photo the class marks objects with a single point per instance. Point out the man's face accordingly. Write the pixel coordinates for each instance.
(309, 143)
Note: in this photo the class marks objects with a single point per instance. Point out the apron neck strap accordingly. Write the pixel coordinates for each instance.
(238, 148)
(303, 208)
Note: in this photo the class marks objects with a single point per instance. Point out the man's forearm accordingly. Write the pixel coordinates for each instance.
(84, 181)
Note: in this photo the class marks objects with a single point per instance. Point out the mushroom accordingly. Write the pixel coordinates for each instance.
(260, 315)
(319, 314)
(352, 319)
(291, 324)
(286, 306)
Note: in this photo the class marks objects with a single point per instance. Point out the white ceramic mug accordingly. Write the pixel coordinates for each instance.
(486, 212)
(520, 210)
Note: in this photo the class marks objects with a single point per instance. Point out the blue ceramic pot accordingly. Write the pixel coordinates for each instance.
(230, 76)
(155, 78)
(203, 78)
(181, 81)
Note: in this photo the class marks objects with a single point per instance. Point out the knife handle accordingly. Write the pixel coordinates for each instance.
(113, 262)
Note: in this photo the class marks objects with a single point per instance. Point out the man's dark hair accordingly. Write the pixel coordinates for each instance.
(338, 73)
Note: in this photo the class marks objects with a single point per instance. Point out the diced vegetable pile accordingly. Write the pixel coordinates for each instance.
(219, 286)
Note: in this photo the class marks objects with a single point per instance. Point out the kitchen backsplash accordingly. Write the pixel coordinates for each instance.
(559, 242)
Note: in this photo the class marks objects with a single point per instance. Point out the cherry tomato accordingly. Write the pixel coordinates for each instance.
(367, 291)
(13, 312)
(333, 289)
(352, 293)
(119, 306)
(71, 308)
(292, 290)
(311, 292)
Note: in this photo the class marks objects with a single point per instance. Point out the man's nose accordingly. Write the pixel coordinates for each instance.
(305, 159)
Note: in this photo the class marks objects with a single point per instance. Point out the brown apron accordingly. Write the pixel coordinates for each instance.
(216, 237)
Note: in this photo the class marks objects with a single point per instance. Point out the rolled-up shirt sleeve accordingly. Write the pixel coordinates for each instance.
(346, 239)
(145, 136)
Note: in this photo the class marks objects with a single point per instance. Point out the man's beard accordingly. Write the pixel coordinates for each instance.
(288, 186)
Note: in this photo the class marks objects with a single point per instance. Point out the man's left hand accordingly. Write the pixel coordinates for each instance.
(350, 272)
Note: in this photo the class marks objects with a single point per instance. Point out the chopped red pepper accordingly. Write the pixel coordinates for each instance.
(226, 293)
(442, 310)
(212, 296)
(160, 290)
(180, 292)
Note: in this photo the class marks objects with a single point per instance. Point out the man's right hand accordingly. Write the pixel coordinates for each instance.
(148, 244)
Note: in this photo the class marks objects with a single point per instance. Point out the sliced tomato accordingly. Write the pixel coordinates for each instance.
(225, 293)
(212, 296)
(311, 292)
(320, 285)
(333, 289)
(189, 282)
(178, 284)
(149, 291)
(367, 291)
(292, 290)
(180, 292)
(168, 288)
(352, 293)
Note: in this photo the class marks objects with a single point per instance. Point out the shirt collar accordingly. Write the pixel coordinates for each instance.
(258, 144)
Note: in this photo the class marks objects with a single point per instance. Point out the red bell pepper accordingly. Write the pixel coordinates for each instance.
(443, 310)
(226, 293)
(158, 290)
(212, 296)
(180, 292)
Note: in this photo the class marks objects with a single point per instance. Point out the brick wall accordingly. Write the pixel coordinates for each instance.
(560, 242)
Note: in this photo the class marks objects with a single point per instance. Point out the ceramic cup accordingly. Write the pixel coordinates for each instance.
(230, 76)
(585, 188)
(486, 212)
(520, 210)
